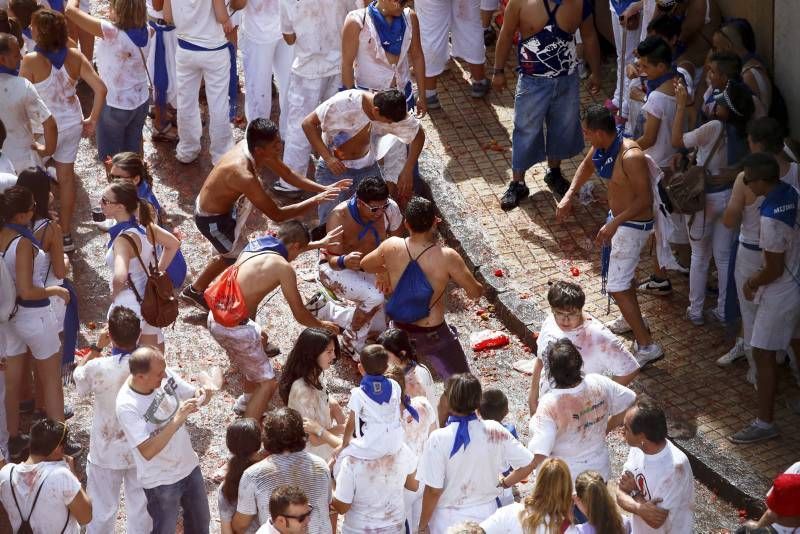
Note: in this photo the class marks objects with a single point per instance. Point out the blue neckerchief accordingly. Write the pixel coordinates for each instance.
(352, 207)
(120, 227)
(781, 204)
(119, 353)
(26, 232)
(652, 85)
(160, 73)
(145, 192)
(56, 5)
(391, 35)
(377, 388)
(6, 70)
(56, 57)
(511, 428)
(604, 159)
(265, 243)
(410, 409)
(27, 32)
(462, 433)
(138, 36)
(620, 6)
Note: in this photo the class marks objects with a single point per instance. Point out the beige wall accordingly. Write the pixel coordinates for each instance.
(786, 61)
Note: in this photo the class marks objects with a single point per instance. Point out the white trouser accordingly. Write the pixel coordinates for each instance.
(441, 21)
(359, 288)
(260, 61)
(305, 95)
(715, 239)
(213, 68)
(631, 41)
(748, 262)
(445, 517)
(170, 46)
(679, 234)
(103, 487)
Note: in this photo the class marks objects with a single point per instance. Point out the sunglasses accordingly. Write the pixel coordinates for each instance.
(104, 201)
(375, 209)
(300, 518)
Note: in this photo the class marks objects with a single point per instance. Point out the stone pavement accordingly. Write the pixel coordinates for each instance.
(468, 165)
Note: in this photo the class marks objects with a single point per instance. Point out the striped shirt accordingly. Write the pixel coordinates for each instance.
(306, 471)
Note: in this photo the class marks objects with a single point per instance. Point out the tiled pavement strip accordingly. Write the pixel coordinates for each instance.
(471, 139)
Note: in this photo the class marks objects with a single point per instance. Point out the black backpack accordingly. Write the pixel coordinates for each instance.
(25, 525)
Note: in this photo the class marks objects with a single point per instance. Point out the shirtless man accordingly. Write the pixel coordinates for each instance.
(231, 190)
(627, 173)
(415, 310)
(264, 265)
(344, 131)
(366, 220)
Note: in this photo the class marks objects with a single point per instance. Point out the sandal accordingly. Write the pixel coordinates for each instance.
(164, 135)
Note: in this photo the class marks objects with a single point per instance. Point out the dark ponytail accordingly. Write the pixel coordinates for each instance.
(13, 201)
(125, 193)
(243, 439)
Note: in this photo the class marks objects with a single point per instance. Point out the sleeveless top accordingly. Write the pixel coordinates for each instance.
(372, 68)
(58, 93)
(50, 279)
(549, 53)
(750, 229)
(137, 275)
(411, 299)
(40, 262)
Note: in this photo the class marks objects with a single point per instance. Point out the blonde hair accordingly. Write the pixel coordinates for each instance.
(130, 14)
(600, 506)
(550, 503)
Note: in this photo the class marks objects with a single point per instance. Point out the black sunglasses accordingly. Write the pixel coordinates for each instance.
(302, 517)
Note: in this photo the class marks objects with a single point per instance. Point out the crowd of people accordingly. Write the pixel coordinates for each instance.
(353, 78)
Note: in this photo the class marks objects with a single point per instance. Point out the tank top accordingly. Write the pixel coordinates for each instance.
(549, 53)
(372, 69)
(411, 298)
(40, 262)
(50, 279)
(793, 176)
(58, 93)
(750, 229)
(137, 275)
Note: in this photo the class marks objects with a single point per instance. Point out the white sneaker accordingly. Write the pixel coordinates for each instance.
(736, 352)
(649, 354)
(619, 326)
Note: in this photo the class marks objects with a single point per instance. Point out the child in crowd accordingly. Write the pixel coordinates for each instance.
(494, 407)
(602, 351)
(403, 353)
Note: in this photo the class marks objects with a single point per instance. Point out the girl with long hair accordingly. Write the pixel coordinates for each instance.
(402, 353)
(243, 439)
(120, 201)
(132, 166)
(54, 69)
(303, 388)
(595, 502)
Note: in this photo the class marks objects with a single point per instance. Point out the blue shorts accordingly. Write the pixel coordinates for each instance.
(547, 121)
(220, 230)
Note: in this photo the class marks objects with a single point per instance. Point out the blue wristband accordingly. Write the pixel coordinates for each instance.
(340, 262)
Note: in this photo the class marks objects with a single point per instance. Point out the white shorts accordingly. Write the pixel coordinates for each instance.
(626, 248)
(450, 27)
(777, 312)
(445, 517)
(244, 347)
(35, 329)
(128, 299)
(59, 308)
(68, 141)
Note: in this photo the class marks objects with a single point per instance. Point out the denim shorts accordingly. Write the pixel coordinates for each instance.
(547, 120)
(120, 130)
(324, 176)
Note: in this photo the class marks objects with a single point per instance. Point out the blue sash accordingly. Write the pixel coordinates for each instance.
(72, 325)
(462, 433)
(620, 6)
(410, 409)
(56, 57)
(160, 74)
(233, 83)
(377, 387)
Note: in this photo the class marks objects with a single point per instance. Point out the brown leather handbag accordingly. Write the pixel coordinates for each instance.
(158, 304)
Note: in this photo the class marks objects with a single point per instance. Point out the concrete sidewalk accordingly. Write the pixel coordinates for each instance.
(467, 165)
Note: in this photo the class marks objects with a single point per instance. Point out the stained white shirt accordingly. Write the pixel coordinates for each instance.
(22, 110)
(121, 67)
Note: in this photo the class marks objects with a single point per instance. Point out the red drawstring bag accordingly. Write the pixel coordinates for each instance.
(225, 299)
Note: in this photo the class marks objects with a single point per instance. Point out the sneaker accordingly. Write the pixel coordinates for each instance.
(713, 317)
(619, 326)
(433, 102)
(556, 182)
(736, 352)
(696, 320)
(69, 413)
(651, 286)
(754, 433)
(69, 246)
(71, 448)
(480, 88)
(649, 354)
(317, 302)
(283, 188)
(516, 193)
(489, 36)
(18, 447)
(190, 296)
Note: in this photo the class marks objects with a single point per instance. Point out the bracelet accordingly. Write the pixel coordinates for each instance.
(321, 431)
(340, 262)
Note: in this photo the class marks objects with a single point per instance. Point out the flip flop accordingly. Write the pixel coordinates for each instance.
(164, 135)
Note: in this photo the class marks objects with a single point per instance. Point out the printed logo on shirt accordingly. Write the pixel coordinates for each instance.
(641, 483)
(589, 409)
(167, 392)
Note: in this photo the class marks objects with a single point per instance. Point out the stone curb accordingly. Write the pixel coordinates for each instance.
(523, 319)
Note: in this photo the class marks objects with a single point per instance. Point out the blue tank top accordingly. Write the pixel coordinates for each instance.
(411, 299)
(549, 53)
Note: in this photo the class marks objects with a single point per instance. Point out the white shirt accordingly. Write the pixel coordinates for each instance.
(121, 67)
(665, 475)
(602, 351)
(372, 67)
(661, 106)
(377, 425)
(374, 489)
(417, 432)
(6, 165)
(196, 23)
(22, 110)
(470, 476)
(139, 414)
(104, 377)
(312, 403)
(261, 21)
(419, 381)
(794, 469)
(779, 237)
(571, 423)
(318, 29)
(704, 138)
(267, 528)
(506, 520)
(59, 490)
